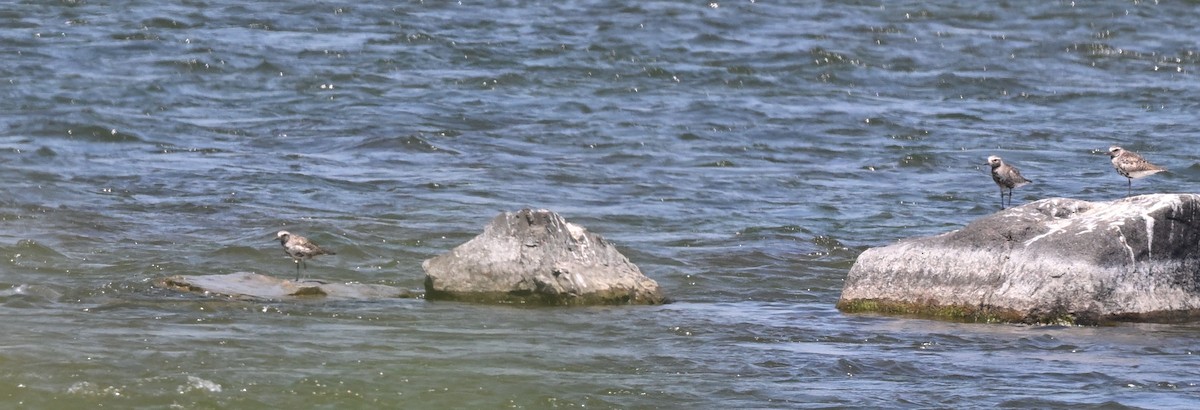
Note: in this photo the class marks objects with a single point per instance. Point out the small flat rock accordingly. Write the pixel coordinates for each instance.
(1051, 261)
(258, 286)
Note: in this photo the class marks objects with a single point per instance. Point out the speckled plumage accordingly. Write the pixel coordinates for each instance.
(1006, 177)
(300, 248)
(1131, 165)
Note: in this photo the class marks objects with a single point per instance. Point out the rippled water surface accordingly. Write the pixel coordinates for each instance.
(741, 153)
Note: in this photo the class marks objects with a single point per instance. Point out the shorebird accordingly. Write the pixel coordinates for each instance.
(1131, 165)
(299, 248)
(1006, 177)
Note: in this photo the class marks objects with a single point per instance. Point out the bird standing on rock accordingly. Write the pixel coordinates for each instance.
(300, 248)
(1131, 165)
(1006, 177)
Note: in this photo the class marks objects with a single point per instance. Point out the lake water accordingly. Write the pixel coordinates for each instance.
(742, 153)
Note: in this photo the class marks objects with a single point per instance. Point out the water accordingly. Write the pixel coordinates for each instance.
(741, 153)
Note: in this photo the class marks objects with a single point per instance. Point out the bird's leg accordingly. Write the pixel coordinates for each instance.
(297, 269)
(1129, 189)
(1001, 198)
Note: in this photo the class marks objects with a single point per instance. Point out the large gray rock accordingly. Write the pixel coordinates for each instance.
(1052, 261)
(537, 257)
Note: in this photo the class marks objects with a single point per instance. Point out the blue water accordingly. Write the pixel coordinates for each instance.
(742, 154)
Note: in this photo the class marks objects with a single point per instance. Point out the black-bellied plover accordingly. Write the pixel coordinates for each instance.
(1006, 177)
(300, 248)
(1131, 165)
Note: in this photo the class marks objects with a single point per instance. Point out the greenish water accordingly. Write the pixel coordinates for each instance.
(742, 154)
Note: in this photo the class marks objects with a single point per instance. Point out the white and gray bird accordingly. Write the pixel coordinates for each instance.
(300, 248)
(1131, 165)
(1006, 177)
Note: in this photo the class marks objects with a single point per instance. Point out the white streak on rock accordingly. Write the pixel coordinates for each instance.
(1121, 237)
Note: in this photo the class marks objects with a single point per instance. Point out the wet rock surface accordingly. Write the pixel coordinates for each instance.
(256, 286)
(535, 256)
(1055, 260)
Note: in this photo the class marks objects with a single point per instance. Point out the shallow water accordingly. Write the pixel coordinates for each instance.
(741, 153)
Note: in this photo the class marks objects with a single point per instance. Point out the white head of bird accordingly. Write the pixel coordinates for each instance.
(994, 161)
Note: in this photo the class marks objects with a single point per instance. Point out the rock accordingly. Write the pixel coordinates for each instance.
(256, 286)
(1052, 261)
(537, 257)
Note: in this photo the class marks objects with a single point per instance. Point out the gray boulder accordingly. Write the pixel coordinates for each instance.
(1052, 261)
(537, 257)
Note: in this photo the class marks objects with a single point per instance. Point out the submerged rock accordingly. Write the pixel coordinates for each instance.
(1052, 261)
(256, 286)
(537, 257)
